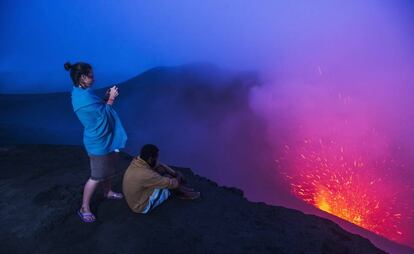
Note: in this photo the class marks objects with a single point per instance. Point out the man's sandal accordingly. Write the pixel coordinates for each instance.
(189, 195)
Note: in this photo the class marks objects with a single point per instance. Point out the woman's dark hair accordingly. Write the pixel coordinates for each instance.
(76, 70)
(148, 151)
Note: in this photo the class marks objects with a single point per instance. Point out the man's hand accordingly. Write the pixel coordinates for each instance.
(179, 176)
(174, 183)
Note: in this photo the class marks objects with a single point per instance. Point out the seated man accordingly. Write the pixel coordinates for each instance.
(147, 183)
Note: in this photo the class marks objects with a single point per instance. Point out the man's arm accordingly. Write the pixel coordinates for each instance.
(176, 174)
(170, 170)
(157, 181)
(164, 169)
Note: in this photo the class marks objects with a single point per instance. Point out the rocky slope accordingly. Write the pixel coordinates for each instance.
(41, 187)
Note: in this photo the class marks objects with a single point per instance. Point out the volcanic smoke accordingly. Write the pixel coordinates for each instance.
(341, 149)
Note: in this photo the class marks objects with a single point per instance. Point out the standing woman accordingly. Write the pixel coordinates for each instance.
(103, 134)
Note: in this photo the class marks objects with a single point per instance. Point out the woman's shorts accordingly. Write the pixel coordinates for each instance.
(104, 167)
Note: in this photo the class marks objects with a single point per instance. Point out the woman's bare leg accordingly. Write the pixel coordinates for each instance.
(108, 192)
(88, 191)
(107, 187)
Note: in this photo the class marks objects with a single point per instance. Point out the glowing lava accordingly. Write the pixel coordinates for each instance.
(343, 183)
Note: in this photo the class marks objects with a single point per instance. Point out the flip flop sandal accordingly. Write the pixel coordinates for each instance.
(186, 188)
(86, 217)
(115, 195)
(189, 196)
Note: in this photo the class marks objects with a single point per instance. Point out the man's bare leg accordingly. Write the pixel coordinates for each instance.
(183, 191)
(184, 188)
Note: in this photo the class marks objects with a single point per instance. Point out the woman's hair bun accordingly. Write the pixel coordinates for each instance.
(67, 66)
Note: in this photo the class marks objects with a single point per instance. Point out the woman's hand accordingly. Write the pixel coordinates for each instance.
(113, 92)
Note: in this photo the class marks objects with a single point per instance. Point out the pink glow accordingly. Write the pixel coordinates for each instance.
(343, 145)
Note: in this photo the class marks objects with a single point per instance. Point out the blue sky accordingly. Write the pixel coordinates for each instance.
(123, 38)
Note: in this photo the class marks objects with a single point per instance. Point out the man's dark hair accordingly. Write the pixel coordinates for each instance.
(149, 150)
(76, 70)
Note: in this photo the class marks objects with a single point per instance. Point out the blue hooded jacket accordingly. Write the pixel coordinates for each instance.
(103, 131)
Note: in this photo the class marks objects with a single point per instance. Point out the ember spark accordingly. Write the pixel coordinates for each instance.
(343, 183)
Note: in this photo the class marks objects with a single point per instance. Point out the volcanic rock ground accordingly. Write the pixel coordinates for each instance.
(41, 187)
